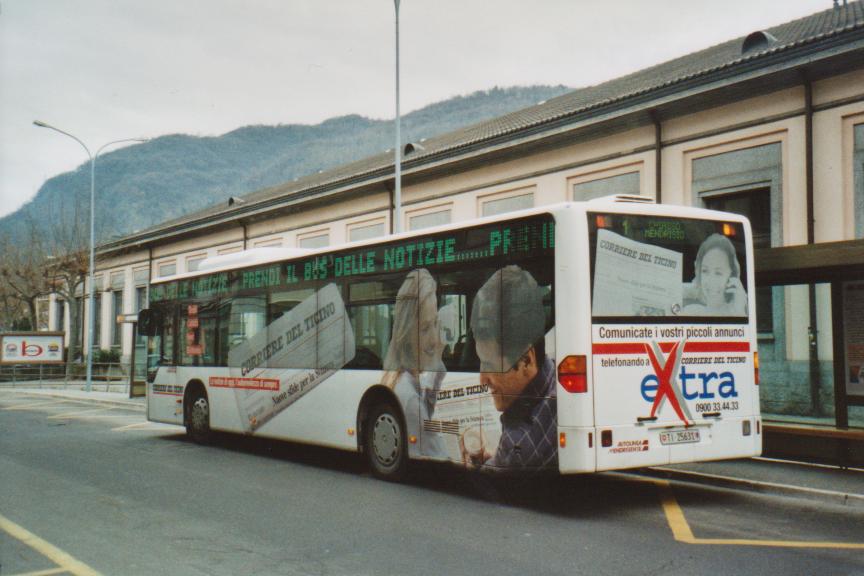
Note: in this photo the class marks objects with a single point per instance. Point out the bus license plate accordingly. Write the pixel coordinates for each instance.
(679, 437)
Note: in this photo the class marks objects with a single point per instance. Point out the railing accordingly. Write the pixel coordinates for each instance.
(54, 375)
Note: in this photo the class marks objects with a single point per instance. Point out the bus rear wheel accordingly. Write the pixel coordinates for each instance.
(386, 446)
(198, 419)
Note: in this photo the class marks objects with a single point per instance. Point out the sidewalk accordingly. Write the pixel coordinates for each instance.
(798, 479)
(108, 394)
(824, 483)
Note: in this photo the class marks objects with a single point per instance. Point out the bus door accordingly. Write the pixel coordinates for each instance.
(165, 393)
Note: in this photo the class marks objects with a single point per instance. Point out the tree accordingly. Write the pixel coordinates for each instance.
(23, 272)
(66, 265)
(12, 313)
(44, 260)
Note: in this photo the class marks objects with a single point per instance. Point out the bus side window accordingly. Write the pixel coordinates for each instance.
(245, 319)
(456, 291)
(370, 311)
(198, 331)
(166, 339)
(281, 321)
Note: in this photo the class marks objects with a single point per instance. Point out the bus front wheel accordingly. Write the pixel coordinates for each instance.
(386, 446)
(198, 419)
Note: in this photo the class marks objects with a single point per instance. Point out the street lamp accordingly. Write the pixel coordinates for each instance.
(92, 265)
(397, 193)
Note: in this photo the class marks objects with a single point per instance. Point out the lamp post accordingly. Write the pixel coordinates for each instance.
(92, 265)
(397, 192)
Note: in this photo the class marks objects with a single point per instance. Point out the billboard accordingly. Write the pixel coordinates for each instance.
(31, 348)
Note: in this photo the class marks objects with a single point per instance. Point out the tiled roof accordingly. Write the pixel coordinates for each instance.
(727, 55)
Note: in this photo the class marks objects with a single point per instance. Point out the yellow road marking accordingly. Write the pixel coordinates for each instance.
(35, 405)
(77, 413)
(59, 557)
(682, 532)
(143, 426)
(48, 572)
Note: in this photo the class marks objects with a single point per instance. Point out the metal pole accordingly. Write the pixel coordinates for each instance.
(397, 196)
(92, 264)
(132, 362)
(91, 321)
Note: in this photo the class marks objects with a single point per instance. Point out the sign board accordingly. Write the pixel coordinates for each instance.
(31, 348)
(853, 312)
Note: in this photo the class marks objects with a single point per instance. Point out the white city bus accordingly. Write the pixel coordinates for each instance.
(578, 337)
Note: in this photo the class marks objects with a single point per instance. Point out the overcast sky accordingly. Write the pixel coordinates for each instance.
(110, 69)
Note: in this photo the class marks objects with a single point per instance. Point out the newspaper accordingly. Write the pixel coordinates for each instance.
(635, 279)
(315, 335)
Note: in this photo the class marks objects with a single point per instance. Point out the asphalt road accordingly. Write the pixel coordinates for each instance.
(87, 489)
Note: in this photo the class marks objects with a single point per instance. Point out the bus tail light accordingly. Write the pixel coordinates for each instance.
(756, 367)
(572, 374)
(606, 438)
(562, 439)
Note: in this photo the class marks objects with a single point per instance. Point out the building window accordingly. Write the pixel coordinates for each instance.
(116, 310)
(193, 262)
(756, 205)
(315, 241)
(429, 219)
(140, 304)
(76, 325)
(497, 206)
(272, 243)
(141, 277)
(741, 175)
(97, 321)
(365, 231)
(42, 314)
(58, 315)
(748, 182)
(628, 183)
(167, 269)
(858, 180)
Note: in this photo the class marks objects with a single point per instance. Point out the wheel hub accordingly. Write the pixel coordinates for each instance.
(385, 439)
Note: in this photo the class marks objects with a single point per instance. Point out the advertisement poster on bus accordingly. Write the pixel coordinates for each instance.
(671, 336)
(505, 415)
(31, 348)
(453, 324)
(315, 332)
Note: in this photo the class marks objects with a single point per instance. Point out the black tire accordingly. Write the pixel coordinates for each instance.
(386, 444)
(198, 419)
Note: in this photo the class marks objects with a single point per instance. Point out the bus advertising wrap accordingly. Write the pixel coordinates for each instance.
(316, 328)
(453, 324)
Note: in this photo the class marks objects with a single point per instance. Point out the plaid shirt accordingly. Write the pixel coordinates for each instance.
(529, 426)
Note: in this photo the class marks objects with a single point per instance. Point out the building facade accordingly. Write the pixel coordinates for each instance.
(770, 125)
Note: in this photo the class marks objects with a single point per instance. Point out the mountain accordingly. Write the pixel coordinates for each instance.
(164, 178)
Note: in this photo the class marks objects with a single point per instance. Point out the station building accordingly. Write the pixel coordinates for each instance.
(770, 125)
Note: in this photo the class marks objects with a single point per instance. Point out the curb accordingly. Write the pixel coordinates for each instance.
(827, 496)
(130, 404)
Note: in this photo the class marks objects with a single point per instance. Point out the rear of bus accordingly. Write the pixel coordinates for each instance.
(672, 369)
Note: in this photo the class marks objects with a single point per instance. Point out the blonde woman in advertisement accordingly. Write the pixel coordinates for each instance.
(716, 289)
(413, 362)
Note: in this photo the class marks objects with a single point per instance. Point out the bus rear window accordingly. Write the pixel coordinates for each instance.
(668, 268)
